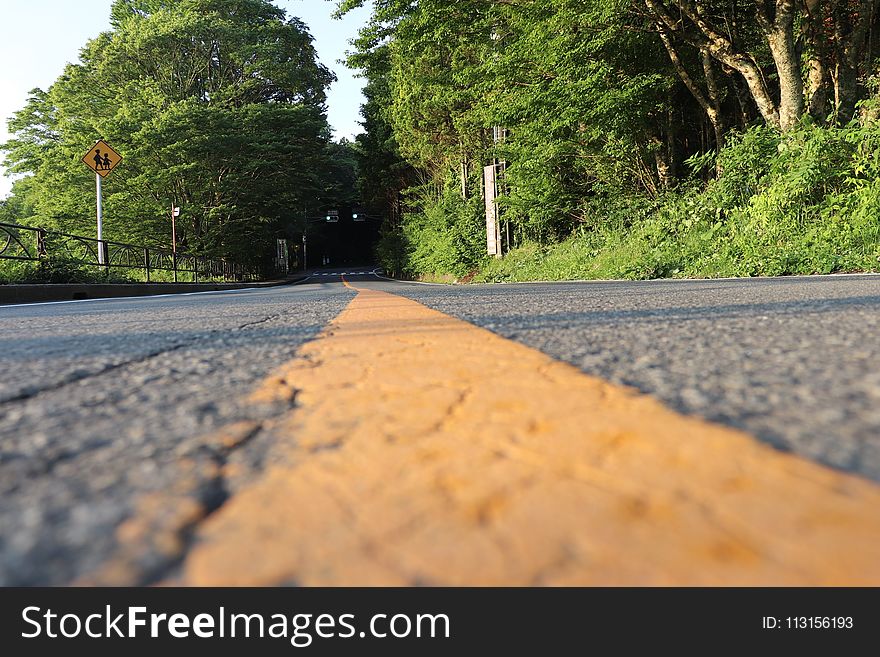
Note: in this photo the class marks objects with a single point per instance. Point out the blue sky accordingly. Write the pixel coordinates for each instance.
(39, 37)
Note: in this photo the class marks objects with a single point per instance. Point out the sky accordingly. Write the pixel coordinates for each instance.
(39, 37)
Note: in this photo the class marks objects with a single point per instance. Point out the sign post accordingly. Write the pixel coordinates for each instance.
(175, 213)
(100, 219)
(101, 159)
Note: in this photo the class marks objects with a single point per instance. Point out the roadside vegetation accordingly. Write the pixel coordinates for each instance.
(640, 138)
(55, 270)
(217, 107)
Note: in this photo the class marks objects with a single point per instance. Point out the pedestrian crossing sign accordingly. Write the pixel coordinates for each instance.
(102, 159)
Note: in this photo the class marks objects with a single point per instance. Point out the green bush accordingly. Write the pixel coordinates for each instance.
(801, 203)
(60, 270)
(16, 271)
(392, 250)
(445, 235)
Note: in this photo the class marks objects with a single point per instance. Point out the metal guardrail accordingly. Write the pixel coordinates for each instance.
(24, 243)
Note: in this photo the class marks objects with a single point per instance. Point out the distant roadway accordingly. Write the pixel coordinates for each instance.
(136, 434)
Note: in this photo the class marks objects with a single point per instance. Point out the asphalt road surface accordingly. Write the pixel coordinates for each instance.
(793, 361)
(105, 403)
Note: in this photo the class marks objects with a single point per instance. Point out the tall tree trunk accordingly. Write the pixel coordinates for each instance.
(791, 84)
(715, 114)
(817, 90)
(662, 161)
(812, 30)
(850, 35)
(671, 150)
(722, 49)
(846, 91)
(747, 110)
(710, 101)
(463, 175)
(777, 24)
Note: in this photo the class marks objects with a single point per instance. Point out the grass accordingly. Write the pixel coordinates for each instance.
(14, 272)
(700, 252)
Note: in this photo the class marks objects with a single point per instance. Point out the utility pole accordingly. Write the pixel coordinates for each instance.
(494, 178)
(305, 232)
(175, 212)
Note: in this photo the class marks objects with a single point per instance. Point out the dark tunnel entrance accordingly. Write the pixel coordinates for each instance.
(348, 239)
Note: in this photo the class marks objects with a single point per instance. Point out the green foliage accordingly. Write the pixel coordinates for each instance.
(445, 236)
(611, 138)
(803, 203)
(583, 100)
(217, 106)
(580, 106)
(392, 251)
(60, 269)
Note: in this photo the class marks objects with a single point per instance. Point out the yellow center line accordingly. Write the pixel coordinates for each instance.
(425, 450)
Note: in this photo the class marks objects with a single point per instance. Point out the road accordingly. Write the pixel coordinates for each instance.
(127, 426)
(792, 361)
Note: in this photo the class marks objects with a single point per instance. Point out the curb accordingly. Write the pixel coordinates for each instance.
(15, 294)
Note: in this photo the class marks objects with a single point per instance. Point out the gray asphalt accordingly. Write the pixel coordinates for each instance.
(793, 361)
(101, 402)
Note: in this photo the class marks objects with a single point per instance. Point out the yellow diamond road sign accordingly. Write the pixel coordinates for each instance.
(102, 159)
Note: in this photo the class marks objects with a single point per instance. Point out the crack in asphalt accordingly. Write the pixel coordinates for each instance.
(119, 471)
(214, 494)
(77, 378)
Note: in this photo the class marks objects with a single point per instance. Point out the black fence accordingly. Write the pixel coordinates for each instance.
(27, 244)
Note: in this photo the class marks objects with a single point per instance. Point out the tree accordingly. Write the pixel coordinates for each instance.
(603, 108)
(829, 39)
(216, 105)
